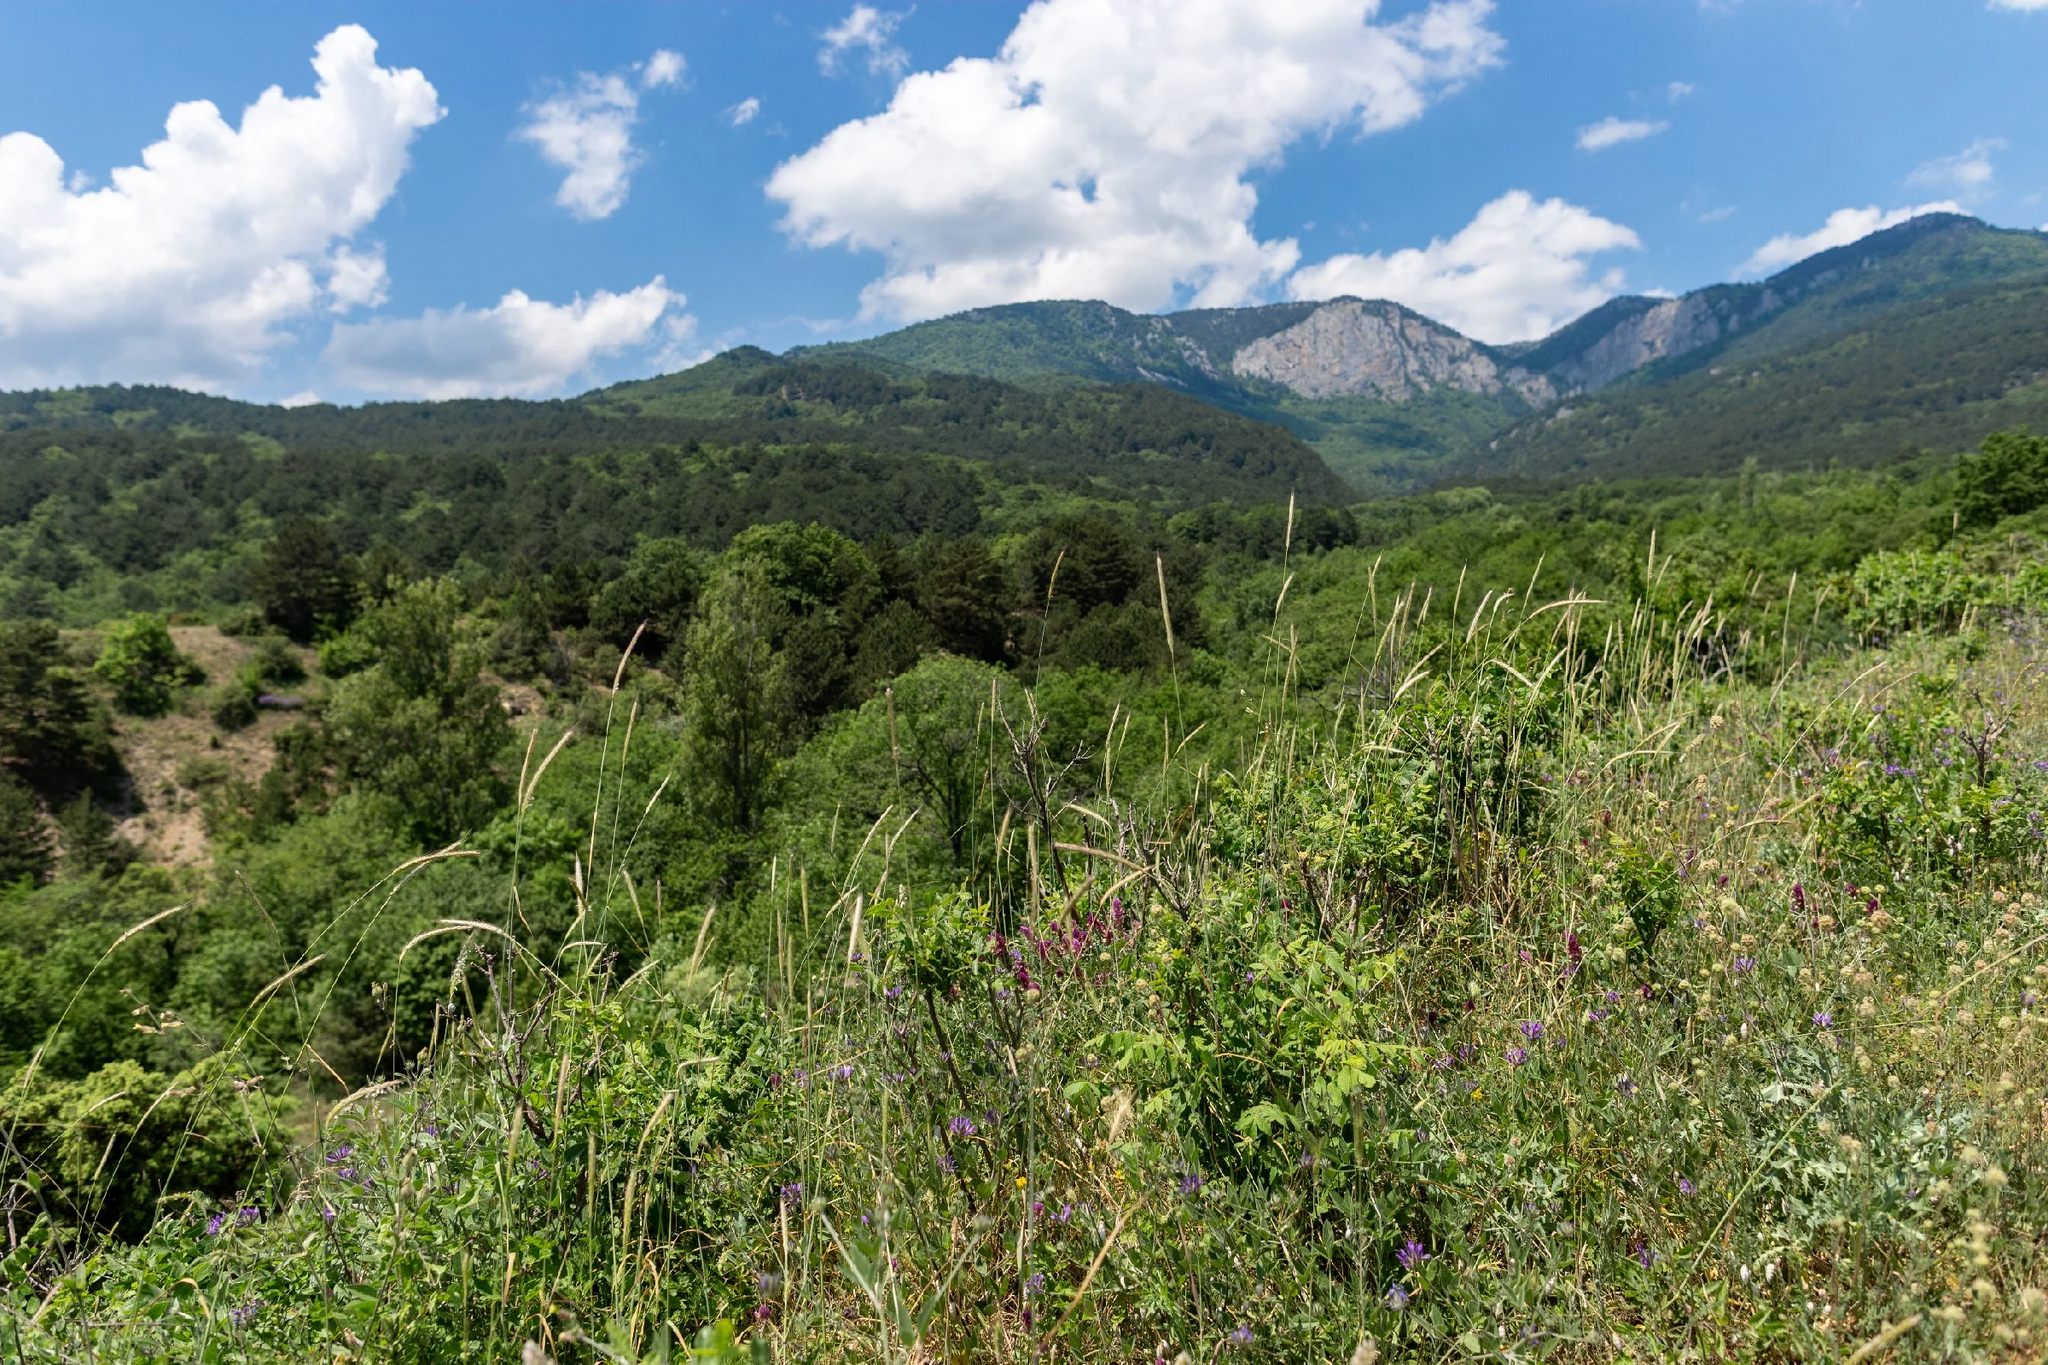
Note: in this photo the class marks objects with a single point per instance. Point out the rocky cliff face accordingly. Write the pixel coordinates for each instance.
(1350, 348)
(1670, 328)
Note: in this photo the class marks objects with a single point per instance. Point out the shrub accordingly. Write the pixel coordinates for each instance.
(232, 708)
(142, 665)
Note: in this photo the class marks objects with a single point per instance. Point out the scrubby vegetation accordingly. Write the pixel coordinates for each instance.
(1593, 923)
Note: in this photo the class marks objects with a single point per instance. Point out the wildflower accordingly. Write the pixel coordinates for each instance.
(1531, 1030)
(327, 1214)
(215, 1224)
(1798, 898)
(1517, 1056)
(1822, 1019)
(1242, 1336)
(1597, 1016)
(1034, 1286)
(947, 1164)
(1188, 1184)
(843, 1072)
(247, 1216)
(1645, 1256)
(1626, 1086)
(1397, 1297)
(1411, 1254)
(768, 1281)
(961, 1126)
(793, 1193)
(243, 1316)
(764, 1312)
(1742, 964)
(1686, 1187)
(340, 1154)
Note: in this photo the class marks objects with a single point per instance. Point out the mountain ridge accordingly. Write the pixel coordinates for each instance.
(1394, 399)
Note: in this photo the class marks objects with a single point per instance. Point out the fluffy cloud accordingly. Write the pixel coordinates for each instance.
(1612, 132)
(867, 29)
(1967, 173)
(1842, 227)
(744, 112)
(588, 132)
(1517, 271)
(1102, 153)
(184, 268)
(521, 347)
(2019, 4)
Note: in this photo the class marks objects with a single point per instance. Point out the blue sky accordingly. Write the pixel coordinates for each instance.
(534, 198)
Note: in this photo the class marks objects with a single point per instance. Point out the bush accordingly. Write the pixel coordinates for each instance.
(232, 708)
(142, 665)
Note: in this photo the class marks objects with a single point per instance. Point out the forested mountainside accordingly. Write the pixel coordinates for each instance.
(1394, 400)
(1933, 374)
(1138, 440)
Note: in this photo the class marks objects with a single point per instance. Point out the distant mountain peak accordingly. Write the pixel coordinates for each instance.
(1351, 347)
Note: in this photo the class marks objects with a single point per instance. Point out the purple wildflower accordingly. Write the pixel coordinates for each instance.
(961, 1126)
(248, 1216)
(947, 1164)
(1625, 1086)
(1411, 1254)
(1823, 1019)
(1531, 1030)
(215, 1224)
(1645, 1255)
(1034, 1286)
(243, 1316)
(1189, 1183)
(1397, 1297)
(1517, 1056)
(1686, 1187)
(793, 1193)
(327, 1214)
(1742, 964)
(341, 1153)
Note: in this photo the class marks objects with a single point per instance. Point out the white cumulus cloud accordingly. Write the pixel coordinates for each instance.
(1612, 132)
(587, 131)
(663, 68)
(867, 29)
(1968, 173)
(521, 347)
(1842, 227)
(183, 269)
(743, 113)
(1517, 271)
(1103, 152)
